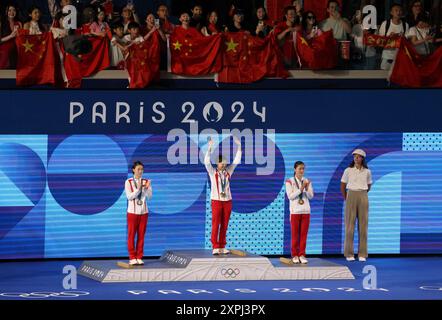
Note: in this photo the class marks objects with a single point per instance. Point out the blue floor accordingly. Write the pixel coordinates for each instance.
(397, 278)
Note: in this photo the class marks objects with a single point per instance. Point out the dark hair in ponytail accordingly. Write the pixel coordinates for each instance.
(137, 163)
(299, 163)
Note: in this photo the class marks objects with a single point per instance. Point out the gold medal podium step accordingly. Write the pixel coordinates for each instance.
(201, 265)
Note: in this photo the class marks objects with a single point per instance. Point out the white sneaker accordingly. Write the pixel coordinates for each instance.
(215, 252)
(303, 260)
(133, 262)
(139, 261)
(362, 259)
(224, 251)
(350, 259)
(295, 260)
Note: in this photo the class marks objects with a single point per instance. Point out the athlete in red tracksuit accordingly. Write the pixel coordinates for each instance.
(299, 191)
(221, 196)
(138, 191)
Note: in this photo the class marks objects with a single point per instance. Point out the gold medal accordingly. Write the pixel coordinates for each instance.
(301, 202)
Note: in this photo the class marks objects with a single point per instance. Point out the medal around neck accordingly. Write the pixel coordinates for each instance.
(300, 201)
(139, 200)
(223, 184)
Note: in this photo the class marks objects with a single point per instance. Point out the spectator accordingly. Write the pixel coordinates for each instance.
(117, 44)
(185, 20)
(392, 27)
(57, 29)
(212, 24)
(237, 22)
(420, 35)
(152, 25)
(340, 26)
(107, 7)
(9, 27)
(364, 56)
(10, 22)
(89, 17)
(34, 25)
(163, 14)
(185, 30)
(262, 26)
(284, 32)
(128, 15)
(299, 9)
(310, 27)
(197, 17)
(414, 11)
(100, 27)
(134, 36)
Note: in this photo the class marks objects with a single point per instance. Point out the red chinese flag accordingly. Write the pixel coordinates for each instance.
(98, 59)
(89, 64)
(431, 70)
(320, 52)
(248, 59)
(194, 54)
(413, 70)
(37, 61)
(143, 62)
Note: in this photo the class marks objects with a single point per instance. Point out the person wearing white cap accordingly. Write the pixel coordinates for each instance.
(355, 185)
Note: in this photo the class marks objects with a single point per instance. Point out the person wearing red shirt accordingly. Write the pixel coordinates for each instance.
(284, 32)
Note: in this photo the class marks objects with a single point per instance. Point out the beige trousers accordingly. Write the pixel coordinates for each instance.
(356, 207)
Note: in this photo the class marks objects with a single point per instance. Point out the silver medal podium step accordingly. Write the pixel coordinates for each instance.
(201, 265)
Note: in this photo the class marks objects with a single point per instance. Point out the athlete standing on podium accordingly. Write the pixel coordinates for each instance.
(138, 191)
(221, 195)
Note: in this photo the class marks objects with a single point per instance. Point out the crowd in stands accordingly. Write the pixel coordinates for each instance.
(126, 26)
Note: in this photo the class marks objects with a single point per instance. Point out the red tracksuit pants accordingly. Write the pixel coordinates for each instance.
(136, 226)
(221, 211)
(299, 229)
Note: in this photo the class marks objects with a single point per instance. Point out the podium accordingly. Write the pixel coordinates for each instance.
(201, 265)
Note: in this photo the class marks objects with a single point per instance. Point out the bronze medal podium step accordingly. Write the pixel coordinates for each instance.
(201, 265)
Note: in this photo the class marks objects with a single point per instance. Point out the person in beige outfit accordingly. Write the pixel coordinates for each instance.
(355, 185)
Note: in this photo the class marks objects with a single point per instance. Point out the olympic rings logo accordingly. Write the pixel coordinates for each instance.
(44, 294)
(230, 273)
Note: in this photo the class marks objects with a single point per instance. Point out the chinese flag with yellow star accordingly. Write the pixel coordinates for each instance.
(413, 70)
(193, 54)
(143, 62)
(249, 58)
(318, 53)
(37, 61)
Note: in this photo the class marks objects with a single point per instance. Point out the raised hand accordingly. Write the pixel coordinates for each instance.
(210, 142)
